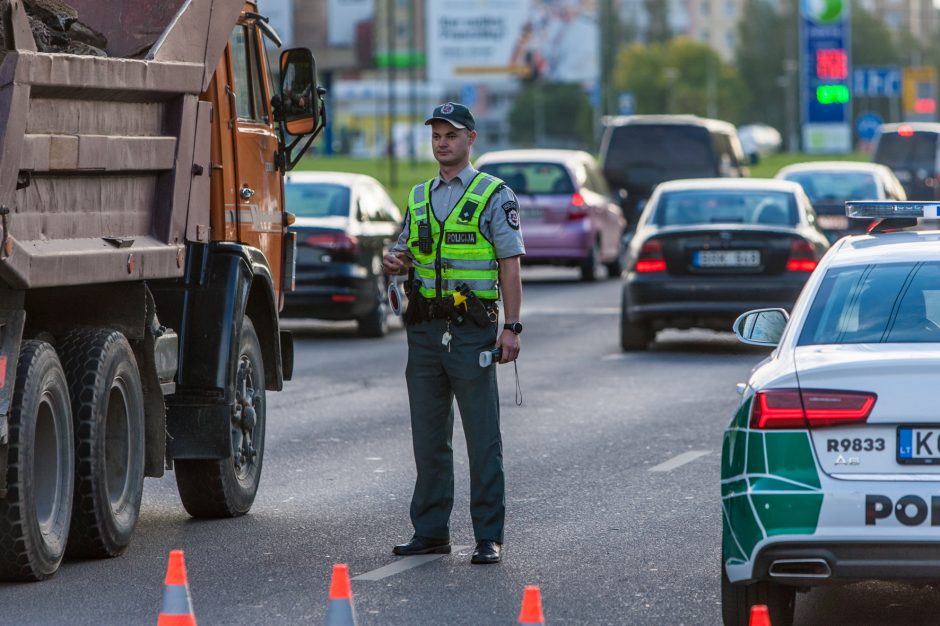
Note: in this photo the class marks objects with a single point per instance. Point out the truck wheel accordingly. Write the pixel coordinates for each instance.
(227, 487)
(35, 515)
(633, 335)
(108, 405)
(591, 266)
(738, 598)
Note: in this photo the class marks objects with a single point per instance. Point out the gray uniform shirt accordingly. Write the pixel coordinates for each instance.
(499, 222)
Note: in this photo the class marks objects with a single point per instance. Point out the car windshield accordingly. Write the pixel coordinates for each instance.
(317, 199)
(886, 303)
(916, 150)
(831, 186)
(644, 155)
(532, 178)
(756, 207)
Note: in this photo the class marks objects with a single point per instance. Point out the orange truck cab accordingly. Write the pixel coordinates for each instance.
(144, 252)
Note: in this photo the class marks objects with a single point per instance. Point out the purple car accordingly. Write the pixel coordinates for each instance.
(568, 215)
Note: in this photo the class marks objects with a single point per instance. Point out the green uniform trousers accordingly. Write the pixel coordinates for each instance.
(435, 376)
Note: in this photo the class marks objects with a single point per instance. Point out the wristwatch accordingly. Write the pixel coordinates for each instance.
(515, 327)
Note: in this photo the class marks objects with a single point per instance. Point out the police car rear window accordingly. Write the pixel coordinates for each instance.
(884, 303)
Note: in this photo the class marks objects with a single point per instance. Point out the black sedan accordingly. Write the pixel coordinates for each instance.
(344, 224)
(706, 250)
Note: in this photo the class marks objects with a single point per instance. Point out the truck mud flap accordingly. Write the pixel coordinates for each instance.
(199, 432)
(11, 331)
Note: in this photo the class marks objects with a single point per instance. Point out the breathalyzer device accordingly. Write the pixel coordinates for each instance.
(488, 357)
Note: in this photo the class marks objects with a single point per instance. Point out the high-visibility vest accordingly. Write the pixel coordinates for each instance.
(463, 254)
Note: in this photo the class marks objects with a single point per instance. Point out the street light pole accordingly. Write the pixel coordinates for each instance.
(413, 80)
(390, 59)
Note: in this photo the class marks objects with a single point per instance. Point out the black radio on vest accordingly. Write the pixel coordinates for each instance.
(425, 245)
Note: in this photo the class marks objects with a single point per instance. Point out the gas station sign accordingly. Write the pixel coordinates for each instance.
(825, 71)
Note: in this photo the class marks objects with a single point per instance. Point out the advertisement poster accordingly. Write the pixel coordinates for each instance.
(493, 40)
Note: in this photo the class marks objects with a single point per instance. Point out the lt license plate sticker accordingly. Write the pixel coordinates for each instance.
(726, 258)
(919, 445)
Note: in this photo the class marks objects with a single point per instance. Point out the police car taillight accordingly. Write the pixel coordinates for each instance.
(813, 408)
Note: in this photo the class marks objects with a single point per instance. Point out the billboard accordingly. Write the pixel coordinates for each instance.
(342, 18)
(825, 73)
(487, 40)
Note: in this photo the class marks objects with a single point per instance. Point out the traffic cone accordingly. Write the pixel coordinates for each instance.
(531, 612)
(340, 611)
(760, 616)
(177, 604)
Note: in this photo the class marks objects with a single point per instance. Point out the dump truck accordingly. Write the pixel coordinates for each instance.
(144, 253)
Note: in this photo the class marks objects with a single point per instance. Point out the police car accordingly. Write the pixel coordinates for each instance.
(830, 469)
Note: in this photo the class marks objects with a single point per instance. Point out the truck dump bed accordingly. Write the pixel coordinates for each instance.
(104, 161)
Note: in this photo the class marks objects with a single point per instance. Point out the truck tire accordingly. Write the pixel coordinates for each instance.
(108, 409)
(633, 335)
(227, 487)
(738, 598)
(37, 511)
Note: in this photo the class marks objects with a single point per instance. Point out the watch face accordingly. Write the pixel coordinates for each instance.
(515, 327)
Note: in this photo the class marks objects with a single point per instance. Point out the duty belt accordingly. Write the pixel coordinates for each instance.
(456, 308)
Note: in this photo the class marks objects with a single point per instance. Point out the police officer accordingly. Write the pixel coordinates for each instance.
(461, 246)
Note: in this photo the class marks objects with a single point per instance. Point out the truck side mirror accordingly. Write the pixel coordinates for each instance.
(299, 107)
(300, 97)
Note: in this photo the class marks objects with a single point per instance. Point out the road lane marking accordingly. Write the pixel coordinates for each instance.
(679, 460)
(405, 564)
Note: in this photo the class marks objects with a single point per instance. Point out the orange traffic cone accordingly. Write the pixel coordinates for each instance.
(531, 612)
(177, 604)
(340, 611)
(760, 616)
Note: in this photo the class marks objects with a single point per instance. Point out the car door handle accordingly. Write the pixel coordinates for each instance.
(247, 192)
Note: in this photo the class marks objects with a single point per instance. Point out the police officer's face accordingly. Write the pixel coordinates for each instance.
(451, 145)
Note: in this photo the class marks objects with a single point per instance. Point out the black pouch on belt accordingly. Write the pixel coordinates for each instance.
(414, 314)
(477, 311)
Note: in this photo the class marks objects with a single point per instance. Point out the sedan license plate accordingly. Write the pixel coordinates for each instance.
(726, 258)
(919, 445)
(531, 212)
(833, 222)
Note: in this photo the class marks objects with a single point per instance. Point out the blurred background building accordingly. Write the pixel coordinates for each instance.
(545, 72)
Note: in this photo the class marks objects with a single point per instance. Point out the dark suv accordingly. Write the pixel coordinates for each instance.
(910, 150)
(641, 151)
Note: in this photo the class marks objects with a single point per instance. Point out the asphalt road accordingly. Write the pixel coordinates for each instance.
(612, 467)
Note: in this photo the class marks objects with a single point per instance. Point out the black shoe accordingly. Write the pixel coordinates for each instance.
(422, 545)
(487, 552)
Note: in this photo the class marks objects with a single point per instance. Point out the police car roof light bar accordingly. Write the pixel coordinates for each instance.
(881, 209)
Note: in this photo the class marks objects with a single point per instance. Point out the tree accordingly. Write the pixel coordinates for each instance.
(761, 61)
(551, 114)
(681, 76)
(872, 42)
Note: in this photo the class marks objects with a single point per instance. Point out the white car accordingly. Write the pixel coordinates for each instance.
(831, 465)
